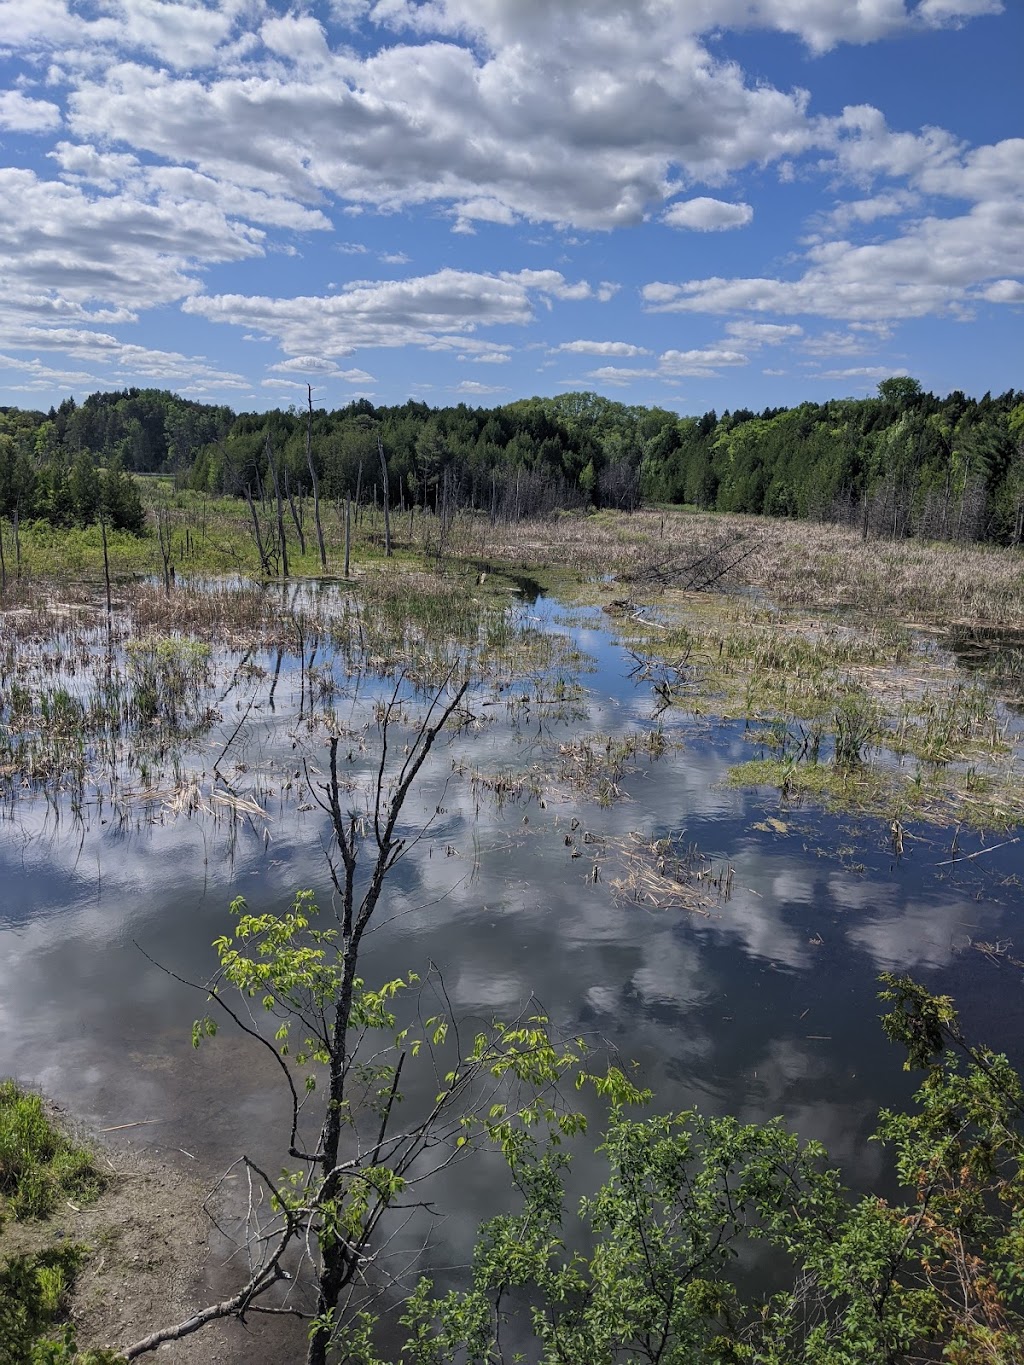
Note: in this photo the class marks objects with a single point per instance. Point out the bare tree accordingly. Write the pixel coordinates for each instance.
(321, 1228)
(315, 482)
(281, 538)
(387, 497)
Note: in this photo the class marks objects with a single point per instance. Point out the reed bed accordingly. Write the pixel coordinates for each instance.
(795, 564)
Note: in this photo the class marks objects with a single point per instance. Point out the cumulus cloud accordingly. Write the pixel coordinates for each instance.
(752, 334)
(21, 114)
(561, 133)
(82, 248)
(179, 33)
(860, 211)
(424, 310)
(821, 24)
(858, 372)
(620, 374)
(1005, 291)
(316, 367)
(198, 133)
(933, 267)
(672, 365)
(616, 348)
(472, 386)
(708, 215)
(699, 361)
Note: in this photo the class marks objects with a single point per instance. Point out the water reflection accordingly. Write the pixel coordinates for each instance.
(764, 1006)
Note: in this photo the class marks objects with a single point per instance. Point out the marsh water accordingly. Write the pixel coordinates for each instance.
(754, 994)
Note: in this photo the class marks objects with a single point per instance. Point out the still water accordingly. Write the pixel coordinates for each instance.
(762, 1005)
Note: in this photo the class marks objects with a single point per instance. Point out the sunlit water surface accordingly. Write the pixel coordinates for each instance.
(765, 1005)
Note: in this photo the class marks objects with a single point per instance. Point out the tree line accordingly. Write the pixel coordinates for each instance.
(902, 463)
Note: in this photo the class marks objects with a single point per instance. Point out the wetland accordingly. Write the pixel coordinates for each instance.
(709, 777)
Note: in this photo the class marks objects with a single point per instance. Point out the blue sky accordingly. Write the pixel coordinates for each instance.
(687, 203)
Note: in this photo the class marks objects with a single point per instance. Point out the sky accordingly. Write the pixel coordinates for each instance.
(688, 204)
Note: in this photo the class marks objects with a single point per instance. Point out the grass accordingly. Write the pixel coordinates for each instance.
(795, 564)
(39, 1165)
(40, 1168)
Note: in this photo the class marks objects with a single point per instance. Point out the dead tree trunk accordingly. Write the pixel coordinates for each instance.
(315, 483)
(282, 541)
(257, 535)
(296, 518)
(386, 497)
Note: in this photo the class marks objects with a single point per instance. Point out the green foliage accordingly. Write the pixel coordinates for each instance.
(34, 1294)
(903, 463)
(936, 1277)
(168, 677)
(39, 1166)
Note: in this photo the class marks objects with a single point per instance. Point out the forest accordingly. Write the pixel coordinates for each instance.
(902, 463)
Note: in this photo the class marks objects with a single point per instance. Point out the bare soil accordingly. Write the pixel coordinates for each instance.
(152, 1263)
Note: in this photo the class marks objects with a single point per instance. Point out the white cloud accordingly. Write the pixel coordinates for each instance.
(471, 386)
(299, 37)
(940, 12)
(1005, 291)
(834, 343)
(933, 268)
(752, 334)
(75, 249)
(561, 133)
(819, 23)
(483, 210)
(699, 361)
(200, 133)
(859, 372)
(620, 374)
(418, 311)
(615, 348)
(708, 215)
(315, 367)
(864, 211)
(672, 365)
(550, 282)
(35, 375)
(20, 114)
(179, 33)
(184, 186)
(990, 172)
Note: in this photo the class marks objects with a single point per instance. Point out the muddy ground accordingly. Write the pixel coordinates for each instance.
(156, 1258)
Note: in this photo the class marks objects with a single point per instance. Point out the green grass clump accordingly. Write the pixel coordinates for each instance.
(35, 1290)
(39, 1166)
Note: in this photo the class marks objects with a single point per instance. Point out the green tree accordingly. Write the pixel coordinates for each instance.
(939, 1276)
(121, 500)
(85, 488)
(900, 390)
